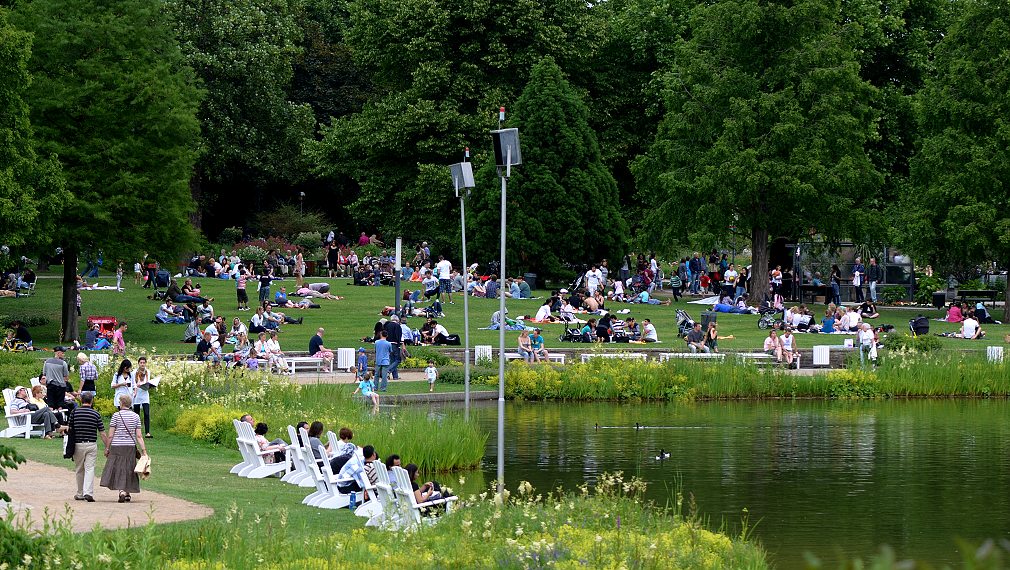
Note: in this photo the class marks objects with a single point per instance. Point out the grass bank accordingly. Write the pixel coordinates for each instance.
(900, 374)
(260, 523)
(348, 320)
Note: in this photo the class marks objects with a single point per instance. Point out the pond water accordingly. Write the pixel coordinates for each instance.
(835, 479)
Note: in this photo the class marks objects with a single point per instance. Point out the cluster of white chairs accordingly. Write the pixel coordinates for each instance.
(391, 502)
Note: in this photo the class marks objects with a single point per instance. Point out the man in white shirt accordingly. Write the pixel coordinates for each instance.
(444, 270)
(593, 279)
(970, 328)
(867, 343)
(431, 286)
(206, 312)
(438, 333)
(215, 329)
(854, 318)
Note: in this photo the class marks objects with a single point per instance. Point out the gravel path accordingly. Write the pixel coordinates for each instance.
(37, 488)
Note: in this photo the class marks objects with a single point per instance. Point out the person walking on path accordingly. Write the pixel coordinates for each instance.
(86, 427)
(125, 440)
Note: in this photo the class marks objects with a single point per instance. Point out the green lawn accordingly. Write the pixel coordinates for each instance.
(348, 320)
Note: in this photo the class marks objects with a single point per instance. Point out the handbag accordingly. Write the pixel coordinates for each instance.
(143, 467)
(133, 436)
(69, 442)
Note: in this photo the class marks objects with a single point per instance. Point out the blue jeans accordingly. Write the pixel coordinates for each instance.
(695, 283)
(382, 376)
(740, 291)
(394, 362)
(873, 291)
(836, 298)
(264, 294)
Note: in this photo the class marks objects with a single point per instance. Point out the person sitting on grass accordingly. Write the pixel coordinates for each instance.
(439, 334)
(169, 313)
(970, 328)
(633, 329)
(649, 333)
(431, 286)
(208, 350)
(588, 331)
(954, 314)
(696, 340)
(868, 310)
(544, 313)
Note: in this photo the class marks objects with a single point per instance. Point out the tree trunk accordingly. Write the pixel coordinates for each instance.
(759, 263)
(1006, 302)
(196, 191)
(69, 330)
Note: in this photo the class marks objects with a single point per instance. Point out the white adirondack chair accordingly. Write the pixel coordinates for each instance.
(257, 468)
(410, 509)
(388, 515)
(18, 425)
(241, 449)
(298, 473)
(322, 488)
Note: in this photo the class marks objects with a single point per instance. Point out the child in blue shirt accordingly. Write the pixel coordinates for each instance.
(368, 391)
(362, 365)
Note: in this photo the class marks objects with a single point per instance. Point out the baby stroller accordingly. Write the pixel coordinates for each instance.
(772, 320)
(571, 335)
(684, 322)
(919, 325)
(637, 284)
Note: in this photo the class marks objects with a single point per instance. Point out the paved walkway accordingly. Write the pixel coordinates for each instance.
(55, 498)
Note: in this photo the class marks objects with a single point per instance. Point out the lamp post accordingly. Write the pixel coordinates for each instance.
(301, 203)
(462, 177)
(506, 153)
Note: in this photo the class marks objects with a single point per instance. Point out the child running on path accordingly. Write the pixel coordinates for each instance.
(431, 373)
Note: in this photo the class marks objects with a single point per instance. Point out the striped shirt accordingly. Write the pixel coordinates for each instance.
(87, 422)
(88, 376)
(125, 423)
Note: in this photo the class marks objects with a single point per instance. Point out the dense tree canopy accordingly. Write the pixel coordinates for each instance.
(956, 212)
(31, 186)
(766, 122)
(563, 203)
(113, 99)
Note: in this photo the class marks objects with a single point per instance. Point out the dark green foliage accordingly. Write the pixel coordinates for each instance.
(905, 341)
(563, 203)
(892, 295)
(17, 367)
(954, 213)
(114, 101)
(443, 69)
(289, 220)
(32, 189)
(926, 286)
(766, 120)
(479, 376)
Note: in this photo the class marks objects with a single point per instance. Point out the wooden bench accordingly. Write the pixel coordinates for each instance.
(977, 296)
(559, 358)
(296, 363)
(764, 359)
(619, 355)
(664, 356)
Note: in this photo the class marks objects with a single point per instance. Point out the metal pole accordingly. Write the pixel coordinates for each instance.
(501, 347)
(466, 312)
(396, 276)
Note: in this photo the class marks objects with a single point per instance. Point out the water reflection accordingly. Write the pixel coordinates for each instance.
(832, 478)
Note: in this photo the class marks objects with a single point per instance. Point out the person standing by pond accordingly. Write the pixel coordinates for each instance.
(87, 426)
(121, 453)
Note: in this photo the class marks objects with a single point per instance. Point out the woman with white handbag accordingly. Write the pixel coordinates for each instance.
(126, 447)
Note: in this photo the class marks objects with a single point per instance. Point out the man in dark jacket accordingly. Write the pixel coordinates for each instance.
(394, 334)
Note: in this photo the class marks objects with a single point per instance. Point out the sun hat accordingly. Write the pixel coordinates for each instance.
(361, 349)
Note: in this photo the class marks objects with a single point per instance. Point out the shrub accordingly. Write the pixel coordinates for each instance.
(308, 241)
(231, 235)
(17, 367)
(479, 375)
(852, 384)
(420, 354)
(893, 295)
(30, 319)
(925, 287)
(905, 342)
(252, 253)
(212, 424)
(18, 548)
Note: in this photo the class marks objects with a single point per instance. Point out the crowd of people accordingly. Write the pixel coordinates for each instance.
(354, 466)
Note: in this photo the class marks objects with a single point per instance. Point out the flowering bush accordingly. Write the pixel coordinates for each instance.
(251, 253)
(212, 424)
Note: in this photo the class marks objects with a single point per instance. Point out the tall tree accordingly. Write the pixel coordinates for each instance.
(564, 206)
(766, 122)
(624, 92)
(113, 99)
(253, 136)
(955, 212)
(32, 188)
(444, 67)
